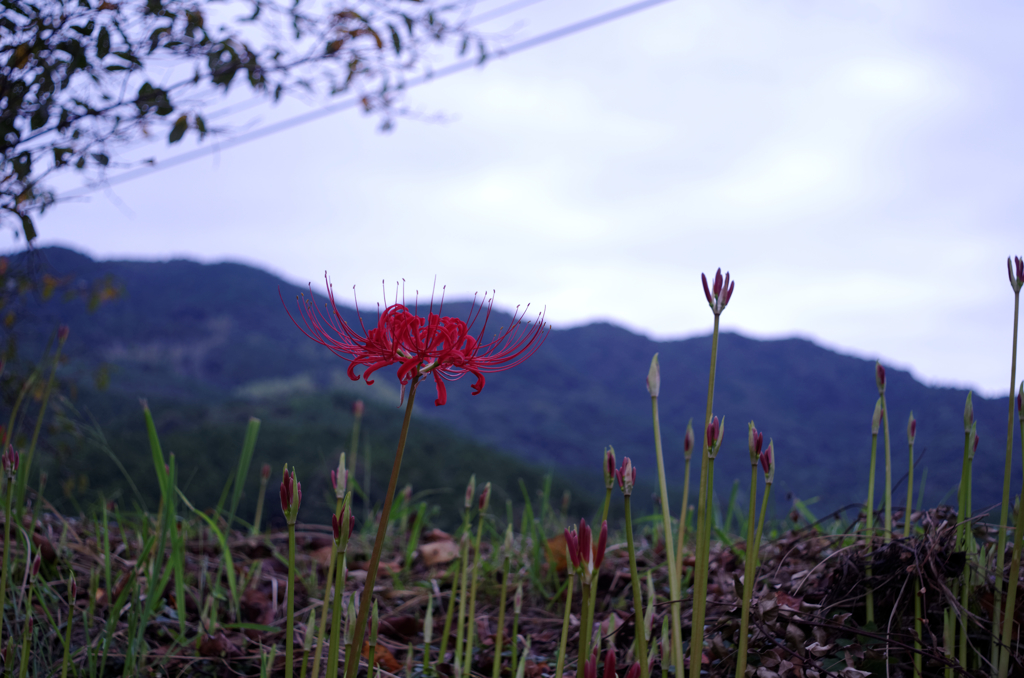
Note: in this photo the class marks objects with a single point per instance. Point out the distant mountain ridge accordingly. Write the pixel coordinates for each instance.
(191, 330)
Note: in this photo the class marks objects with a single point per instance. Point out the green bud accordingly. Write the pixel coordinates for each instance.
(969, 412)
(654, 378)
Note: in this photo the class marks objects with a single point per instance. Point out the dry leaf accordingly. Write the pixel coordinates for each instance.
(439, 552)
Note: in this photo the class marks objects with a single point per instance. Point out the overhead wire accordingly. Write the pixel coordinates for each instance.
(352, 102)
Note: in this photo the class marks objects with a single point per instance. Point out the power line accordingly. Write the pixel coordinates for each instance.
(352, 102)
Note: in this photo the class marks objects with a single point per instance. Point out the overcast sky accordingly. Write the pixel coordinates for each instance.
(857, 166)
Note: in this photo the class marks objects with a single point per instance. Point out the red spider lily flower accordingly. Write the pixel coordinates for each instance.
(588, 556)
(438, 345)
(609, 467)
(626, 476)
(755, 439)
(768, 463)
(634, 670)
(1018, 280)
(485, 498)
(338, 524)
(880, 376)
(911, 428)
(609, 663)
(291, 496)
(688, 440)
(470, 492)
(720, 294)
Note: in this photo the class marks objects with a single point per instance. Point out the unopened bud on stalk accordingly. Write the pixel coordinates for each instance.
(470, 492)
(339, 478)
(10, 462)
(626, 476)
(876, 418)
(357, 408)
(509, 543)
(719, 295)
(768, 463)
(755, 439)
(688, 440)
(265, 471)
(589, 667)
(974, 439)
(969, 412)
(911, 428)
(654, 377)
(1018, 280)
(609, 663)
(36, 562)
(62, 333)
(609, 467)
(880, 377)
(291, 496)
(340, 525)
(715, 444)
(485, 498)
(517, 599)
(634, 671)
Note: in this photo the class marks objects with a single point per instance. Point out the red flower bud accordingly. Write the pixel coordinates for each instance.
(911, 429)
(572, 545)
(485, 497)
(880, 376)
(602, 544)
(720, 293)
(711, 433)
(470, 492)
(590, 667)
(609, 663)
(265, 472)
(357, 408)
(626, 476)
(62, 333)
(688, 440)
(609, 467)
(634, 671)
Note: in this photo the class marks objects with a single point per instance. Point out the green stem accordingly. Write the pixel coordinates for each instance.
(331, 564)
(460, 619)
(332, 648)
(1011, 594)
(604, 518)
(26, 632)
(471, 619)
(1004, 510)
(962, 516)
(500, 640)
(8, 491)
(638, 603)
(515, 643)
(560, 664)
(670, 551)
(449, 614)
(700, 573)
(748, 576)
(888, 474)
(869, 536)
(586, 629)
(382, 528)
(910, 495)
(67, 638)
(289, 639)
(682, 521)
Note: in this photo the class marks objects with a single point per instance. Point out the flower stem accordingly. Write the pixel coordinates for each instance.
(917, 628)
(682, 521)
(258, 518)
(460, 618)
(700, 574)
(289, 638)
(500, 640)
(586, 629)
(1005, 507)
(869, 527)
(748, 576)
(449, 614)
(1011, 594)
(470, 619)
(638, 603)
(332, 563)
(8, 491)
(339, 588)
(887, 537)
(670, 552)
(560, 664)
(910, 495)
(382, 528)
(27, 631)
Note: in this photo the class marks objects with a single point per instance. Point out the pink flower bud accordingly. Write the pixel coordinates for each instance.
(768, 462)
(755, 439)
(602, 544)
(609, 663)
(470, 492)
(1015, 282)
(338, 523)
(590, 667)
(36, 562)
(634, 671)
(485, 497)
(911, 429)
(974, 442)
(720, 293)
(265, 472)
(688, 440)
(711, 433)
(357, 408)
(572, 546)
(585, 544)
(626, 476)
(609, 467)
(880, 376)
